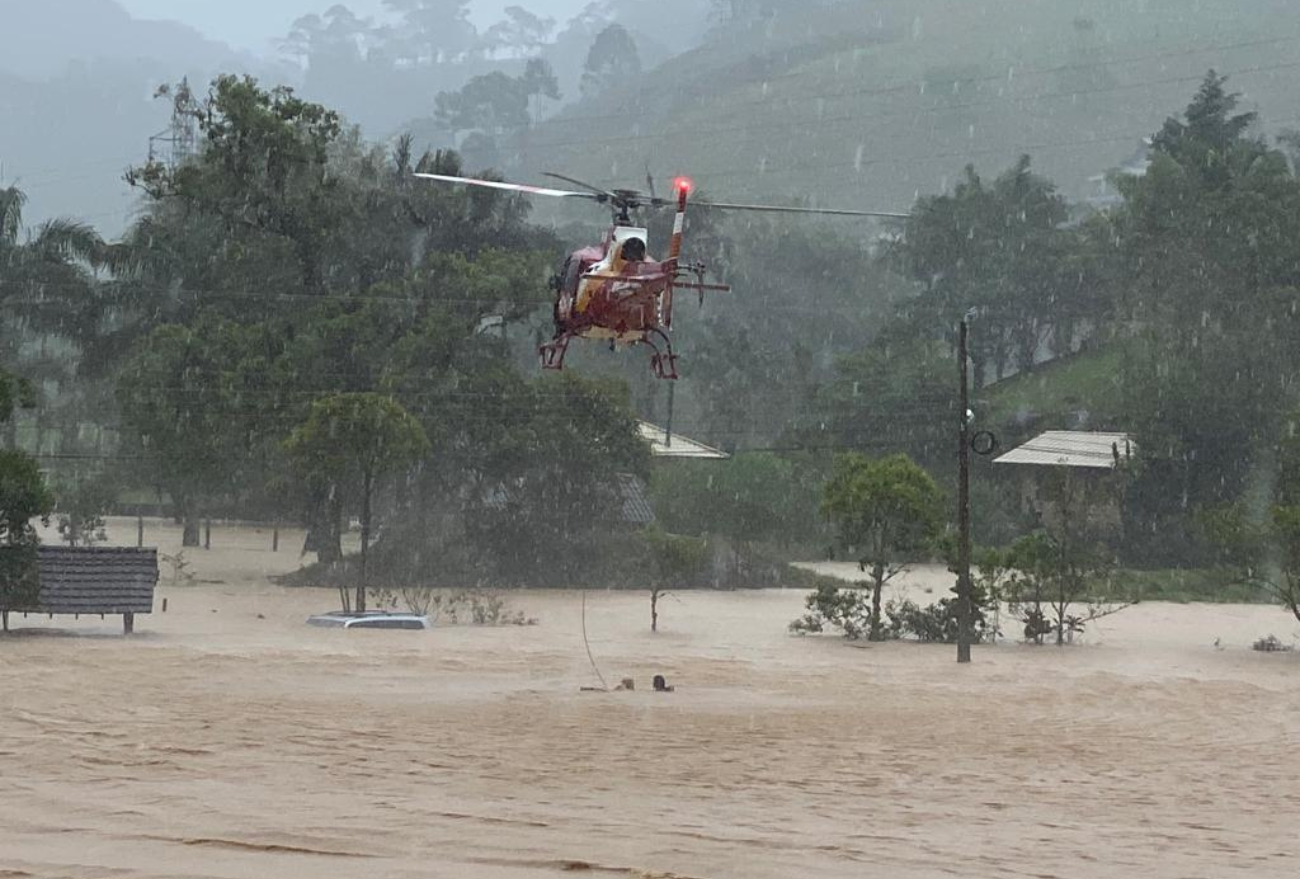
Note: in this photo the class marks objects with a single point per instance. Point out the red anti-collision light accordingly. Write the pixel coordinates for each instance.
(683, 184)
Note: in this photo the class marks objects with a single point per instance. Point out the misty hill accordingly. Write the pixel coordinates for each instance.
(77, 80)
(54, 33)
(872, 103)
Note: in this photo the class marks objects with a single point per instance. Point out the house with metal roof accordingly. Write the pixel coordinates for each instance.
(1068, 468)
(1073, 448)
(73, 581)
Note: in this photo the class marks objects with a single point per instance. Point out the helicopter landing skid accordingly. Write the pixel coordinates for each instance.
(552, 353)
(664, 363)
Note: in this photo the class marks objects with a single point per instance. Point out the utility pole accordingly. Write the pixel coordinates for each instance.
(964, 614)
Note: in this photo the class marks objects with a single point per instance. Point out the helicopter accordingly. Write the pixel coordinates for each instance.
(615, 291)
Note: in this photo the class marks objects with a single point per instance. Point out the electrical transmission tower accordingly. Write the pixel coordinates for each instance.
(178, 142)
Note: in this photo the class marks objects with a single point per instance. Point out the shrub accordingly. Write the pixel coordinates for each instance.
(848, 609)
(473, 607)
(935, 624)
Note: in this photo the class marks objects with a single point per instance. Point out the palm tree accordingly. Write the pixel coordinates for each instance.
(52, 269)
(46, 283)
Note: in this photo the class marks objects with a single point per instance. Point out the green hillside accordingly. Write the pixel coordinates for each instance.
(871, 103)
(1053, 396)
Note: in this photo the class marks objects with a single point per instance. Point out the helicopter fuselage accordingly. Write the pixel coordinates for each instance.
(614, 292)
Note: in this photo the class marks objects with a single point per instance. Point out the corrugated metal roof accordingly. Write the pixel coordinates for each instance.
(1071, 448)
(680, 447)
(92, 580)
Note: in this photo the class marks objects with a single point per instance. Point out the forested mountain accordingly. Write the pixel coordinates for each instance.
(873, 102)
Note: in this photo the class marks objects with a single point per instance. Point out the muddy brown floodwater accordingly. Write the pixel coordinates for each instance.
(230, 741)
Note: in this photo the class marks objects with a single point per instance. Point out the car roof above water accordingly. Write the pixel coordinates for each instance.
(369, 620)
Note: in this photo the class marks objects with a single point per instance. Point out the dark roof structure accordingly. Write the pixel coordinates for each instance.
(636, 506)
(631, 491)
(95, 580)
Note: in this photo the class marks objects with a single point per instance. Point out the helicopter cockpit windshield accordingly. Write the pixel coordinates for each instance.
(629, 245)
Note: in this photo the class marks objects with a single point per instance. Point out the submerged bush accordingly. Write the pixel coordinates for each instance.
(471, 607)
(1271, 644)
(935, 624)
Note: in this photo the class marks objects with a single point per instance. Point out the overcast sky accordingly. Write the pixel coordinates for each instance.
(251, 24)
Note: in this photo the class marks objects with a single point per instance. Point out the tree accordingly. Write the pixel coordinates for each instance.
(493, 104)
(884, 509)
(613, 58)
(1279, 571)
(551, 456)
(1205, 247)
(435, 30)
(1069, 561)
(1262, 546)
(1004, 250)
(23, 497)
(675, 562)
(263, 168)
(82, 508)
(896, 395)
(520, 31)
(57, 256)
(744, 11)
(540, 82)
(349, 443)
(1210, 137)
(750, 498)
(175, 392)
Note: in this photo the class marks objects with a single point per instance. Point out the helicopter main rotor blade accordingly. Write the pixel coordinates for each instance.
(595, 190)
(509, 187)
(776, 209)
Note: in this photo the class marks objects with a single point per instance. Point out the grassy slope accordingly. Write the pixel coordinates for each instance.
(857, 103)
(1051, 396)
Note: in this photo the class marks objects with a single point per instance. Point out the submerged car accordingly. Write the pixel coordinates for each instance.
(369, 620)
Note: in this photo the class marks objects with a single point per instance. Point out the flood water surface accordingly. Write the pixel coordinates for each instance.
(230, 740)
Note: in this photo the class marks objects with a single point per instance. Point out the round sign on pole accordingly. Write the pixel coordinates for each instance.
(984, 443)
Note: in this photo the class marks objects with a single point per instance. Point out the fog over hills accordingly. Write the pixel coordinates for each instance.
(860, 102)
(54, 33)
(256, 24)
(77, 82)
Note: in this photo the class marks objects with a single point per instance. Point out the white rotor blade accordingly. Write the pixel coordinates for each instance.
(509, 187)
(774, 209)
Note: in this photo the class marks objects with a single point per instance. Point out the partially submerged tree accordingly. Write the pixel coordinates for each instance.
(81, 510)
(885, 510)
(174, 391)
(1060, 576)
(1259, 543)
(752, 498)
(675, 562)
(23, 498)
(349, 443)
